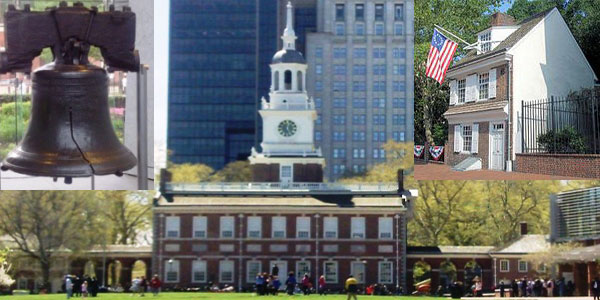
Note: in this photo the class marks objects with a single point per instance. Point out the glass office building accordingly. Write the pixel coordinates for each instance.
(218, 69)
(575, 215)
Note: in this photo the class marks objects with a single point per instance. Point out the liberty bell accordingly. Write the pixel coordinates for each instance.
(70, 132)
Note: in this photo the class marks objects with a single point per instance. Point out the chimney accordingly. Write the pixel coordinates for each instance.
(400, 181)
(501, 19)
(523, 228)
(165, 176)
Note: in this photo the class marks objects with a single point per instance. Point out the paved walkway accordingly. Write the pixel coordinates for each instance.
(444, 172)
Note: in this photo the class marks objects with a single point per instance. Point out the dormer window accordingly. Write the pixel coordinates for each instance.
(485, 42)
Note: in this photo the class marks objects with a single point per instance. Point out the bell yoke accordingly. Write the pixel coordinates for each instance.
(70, 133)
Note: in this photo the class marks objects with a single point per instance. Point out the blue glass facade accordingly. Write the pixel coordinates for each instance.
(220, 52)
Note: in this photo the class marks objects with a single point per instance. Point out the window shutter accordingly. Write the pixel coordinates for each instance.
(200, 225)
(385, 227)
(471, 90)
(278, 228)
(475, 142)
(358, 227)
(254, 226)
(457, 143)
(492, 84)
(453, 92)
(302, 225)
(330, 224)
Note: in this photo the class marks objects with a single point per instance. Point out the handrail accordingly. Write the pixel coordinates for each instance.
(278, 186)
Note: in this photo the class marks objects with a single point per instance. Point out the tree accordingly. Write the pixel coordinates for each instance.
(550, 258)
(126, 215)
(237, 171)
(523, 9)
(185, 173)
(5, 279)
(43, 223)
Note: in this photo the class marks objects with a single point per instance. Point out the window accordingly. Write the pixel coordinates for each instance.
(359, 119)
(254, 227)
(378, 119)
(461, 90)
(330, 228)
(339, 103)
(398, 120)
(339, 69)
(360, 53)
(357, 268)
(302, 267)
(339, 169)
(319, 52)
(378, 12)
(398, 136)
(331, 271)
(398, 86)
(226, 225)
(359, 28)
(398, 29)
(359, 12)
(399, 12)
(358, 136)
(172, 226)
(198, 271)
(385, 272)
(318, 85)
(318, 136)
(467, 135)
(287, 80)
(541, 268)
(379, 29)
(339, 12)
(318, 102)
(522, 266)
(339, 119)
(399, 53)
(276, 80)
(485, 42)
(226, 271)
(378, 102)
(359, 69)
(358, 153)
(340, 28)
(300, 80)
(252, 268)
(378, 52)
(339, 86)
(378, 136)
(357, 169)
(303, 227)
(484, 83)
(378, 69)
(172, 271)
(339, 52)
(379, 86)
(339, 153)
(385, 227)
(359, 86)
(504, 266)
(399, 103)
(319, 69)
(357, 225)
(359, 103)
(278, 227)
(199, 225)
(339, 136)
(378, 153)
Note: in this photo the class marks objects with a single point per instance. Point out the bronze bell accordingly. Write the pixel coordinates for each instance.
(70, 133)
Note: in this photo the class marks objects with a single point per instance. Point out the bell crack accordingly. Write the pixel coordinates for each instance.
(76, 144)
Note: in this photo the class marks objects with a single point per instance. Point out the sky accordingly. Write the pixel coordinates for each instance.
(161, 54)
(506, 6)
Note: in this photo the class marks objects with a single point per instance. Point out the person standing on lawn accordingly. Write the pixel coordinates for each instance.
(322, 286)
(290, 283)
(69, 286)
(155, 284)
(351, 287)
(596, 288)
(84, 289)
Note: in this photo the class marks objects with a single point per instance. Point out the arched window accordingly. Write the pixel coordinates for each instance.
(287, 80)
(276, 80)
(299, 75)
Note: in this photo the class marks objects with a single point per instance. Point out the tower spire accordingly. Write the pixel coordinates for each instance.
(289, 36)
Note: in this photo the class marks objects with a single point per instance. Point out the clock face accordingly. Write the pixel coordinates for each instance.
(287, 128)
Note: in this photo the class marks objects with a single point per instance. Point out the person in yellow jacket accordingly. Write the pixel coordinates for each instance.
(351, 287)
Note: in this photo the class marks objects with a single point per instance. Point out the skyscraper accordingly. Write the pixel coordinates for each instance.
(361, 77)
(220, 52)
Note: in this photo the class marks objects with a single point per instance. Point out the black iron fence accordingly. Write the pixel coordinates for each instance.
(565, 125)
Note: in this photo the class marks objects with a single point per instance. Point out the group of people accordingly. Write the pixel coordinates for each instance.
(80, 287)
(269, 283)
(539, 287)
(139, 285)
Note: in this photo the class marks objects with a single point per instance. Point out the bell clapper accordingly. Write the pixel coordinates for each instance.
(3, 168)
(119, 173)
(68, 180)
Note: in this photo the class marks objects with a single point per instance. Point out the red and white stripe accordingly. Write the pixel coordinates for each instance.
(438, 63)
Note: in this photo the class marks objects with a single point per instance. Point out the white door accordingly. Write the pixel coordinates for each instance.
(497, 146)
(286, 174)
(283, 271)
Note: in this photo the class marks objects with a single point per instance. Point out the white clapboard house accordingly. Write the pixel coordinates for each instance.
(514, 62)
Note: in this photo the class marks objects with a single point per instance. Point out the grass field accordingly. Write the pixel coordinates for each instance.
(208, 296)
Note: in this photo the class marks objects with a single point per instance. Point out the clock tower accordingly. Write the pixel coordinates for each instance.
(288, 149)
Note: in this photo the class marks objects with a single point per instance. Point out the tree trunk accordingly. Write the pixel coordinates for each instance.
(45, 275)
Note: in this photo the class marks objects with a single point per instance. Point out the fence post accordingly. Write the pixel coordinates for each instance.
(594, 120)
(522, 129)
(552, 123)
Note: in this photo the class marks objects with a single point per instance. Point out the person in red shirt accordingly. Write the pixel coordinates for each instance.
(322, 288)
(155, 284)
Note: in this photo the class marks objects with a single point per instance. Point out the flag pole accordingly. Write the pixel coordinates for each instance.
(453, 35)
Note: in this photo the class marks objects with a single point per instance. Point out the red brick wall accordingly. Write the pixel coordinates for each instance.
(572, 165)
(453, 158)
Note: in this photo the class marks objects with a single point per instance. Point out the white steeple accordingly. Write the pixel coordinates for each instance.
(289, 36)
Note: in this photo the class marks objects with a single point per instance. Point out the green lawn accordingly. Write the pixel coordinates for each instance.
(206, 296)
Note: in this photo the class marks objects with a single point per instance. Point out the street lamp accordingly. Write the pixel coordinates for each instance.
(170, 268)
(241, 217)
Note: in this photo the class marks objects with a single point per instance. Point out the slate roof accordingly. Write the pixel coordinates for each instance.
(288, 56)
(525, 27)
(476, 106)
(448, 250)
(583, 254)
(528, 243)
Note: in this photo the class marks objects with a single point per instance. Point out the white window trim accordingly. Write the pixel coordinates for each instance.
(526, 266)
(353, 271)
(205, 272)
(391, 272)
(507, 266)
(259, 226)
(250, 278)
(273, 229)
(379, 231)
(221, 223)
(328, 279)
(221, 272)
(196, 226)
(167, 226)
(462, 138)
(167, 269)
(298, 227)
(337, 229)
(362, 229)
(298, 275)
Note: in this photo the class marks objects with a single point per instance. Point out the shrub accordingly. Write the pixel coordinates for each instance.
(566, 140)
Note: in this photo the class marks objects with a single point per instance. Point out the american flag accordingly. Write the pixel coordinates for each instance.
(440, 55)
